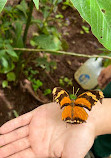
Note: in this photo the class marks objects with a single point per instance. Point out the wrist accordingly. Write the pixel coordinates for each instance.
(99, 118)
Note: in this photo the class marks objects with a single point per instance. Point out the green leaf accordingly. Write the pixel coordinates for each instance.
(36, 84)
(2, 53)
(47, 42)
(2, 4)
(23, 7)
(6, 64)
(18, 41)
(36, 2)
(11, 76)
(5, 84)
(47, 91)
(98, 14)
(12, 54)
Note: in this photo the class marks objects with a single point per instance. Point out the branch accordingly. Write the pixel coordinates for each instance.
(63, 52)
(28, 22)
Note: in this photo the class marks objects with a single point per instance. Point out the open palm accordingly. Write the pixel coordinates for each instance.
(41, 134)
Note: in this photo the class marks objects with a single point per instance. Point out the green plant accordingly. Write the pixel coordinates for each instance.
(3, 2)
(48, 37)
(65, 81)
(85, 30)
(31, 75)
(106, 62)
(45, 64)
(36, 84)
(47, 91)
(11, 26)
(11, 36)
(8, 56)
(8, 60)
(5, 84)
(66, 4)
(98, 17)
(46, 42)
(9, 78)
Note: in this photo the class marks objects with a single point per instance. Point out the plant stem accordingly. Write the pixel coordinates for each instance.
(15, 113)
(28, 21)
(63, 53)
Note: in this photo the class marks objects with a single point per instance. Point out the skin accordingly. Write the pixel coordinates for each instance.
(41, 133)
(104, 77)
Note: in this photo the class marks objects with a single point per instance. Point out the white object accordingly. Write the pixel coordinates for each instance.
(88, 73)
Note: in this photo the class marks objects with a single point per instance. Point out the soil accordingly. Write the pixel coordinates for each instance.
(17, 98)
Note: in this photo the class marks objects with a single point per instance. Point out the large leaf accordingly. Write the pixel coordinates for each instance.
(47, 42)
(98, 14)
(5, 64)
(36, 2)
(18, 42)
(2, 4)
(23, 7)
(12, 54)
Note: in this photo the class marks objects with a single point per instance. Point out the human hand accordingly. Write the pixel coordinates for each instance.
(104, 77)
(42, 134)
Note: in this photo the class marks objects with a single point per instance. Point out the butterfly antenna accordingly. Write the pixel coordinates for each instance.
(77, 91)
(73, 90)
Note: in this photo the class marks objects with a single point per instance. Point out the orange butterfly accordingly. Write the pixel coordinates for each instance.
(74, 110)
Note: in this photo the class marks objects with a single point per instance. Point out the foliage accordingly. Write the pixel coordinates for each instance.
(31, 74)
(97, 14)
(14, 25)
(106, 62)
(11, 76)
(8, 60)
(5, 84)
(12, 35)
(8, 56)
(48, 36)
(36, 84)
(65, 81)
(47, 91)
(85, 30)
(11, 26)
(2, 4)
(66, 4)
(45, 64)
(46, 42)
(36, 3)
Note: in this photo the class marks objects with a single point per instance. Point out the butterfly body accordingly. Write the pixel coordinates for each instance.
(74, 110)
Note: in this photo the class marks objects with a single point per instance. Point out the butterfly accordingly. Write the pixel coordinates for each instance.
(74, 110)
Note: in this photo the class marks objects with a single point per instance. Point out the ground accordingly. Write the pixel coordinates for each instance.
(18, 99)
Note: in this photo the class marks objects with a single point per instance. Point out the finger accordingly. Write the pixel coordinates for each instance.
(14, 147)
(28, 153)
(16, 123)
(14, 135)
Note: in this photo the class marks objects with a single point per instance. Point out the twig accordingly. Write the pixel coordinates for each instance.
(63, 53)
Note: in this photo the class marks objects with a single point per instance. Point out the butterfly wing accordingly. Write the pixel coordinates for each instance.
(74, 115)
(61, 96)
(89, 99)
